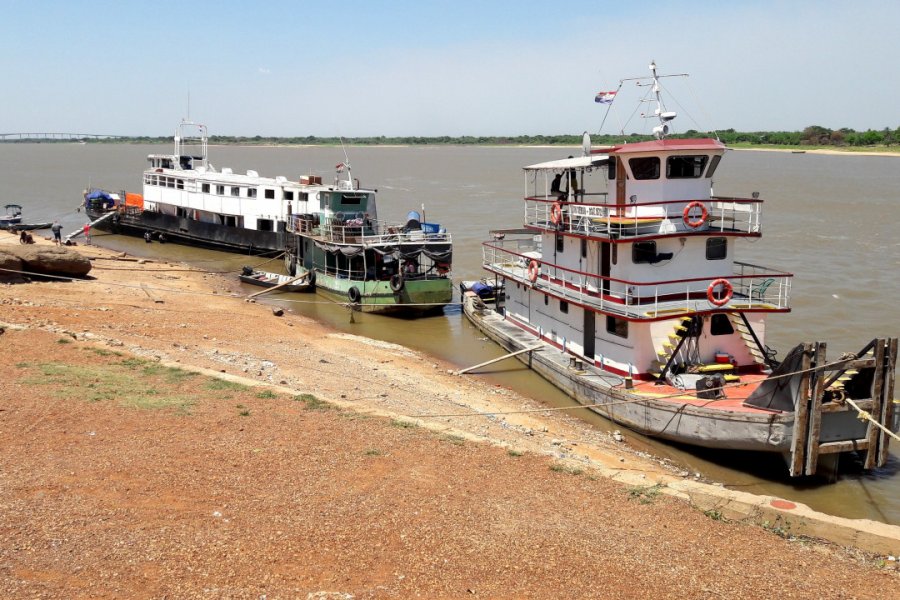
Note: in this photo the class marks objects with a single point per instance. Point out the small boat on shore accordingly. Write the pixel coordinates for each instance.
(30, 226)
(301, 282)
(12, 217)
(624, 291)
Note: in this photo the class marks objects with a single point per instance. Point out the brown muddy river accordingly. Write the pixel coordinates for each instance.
(831, 220)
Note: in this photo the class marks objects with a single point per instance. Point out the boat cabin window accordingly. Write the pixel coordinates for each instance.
(546, 300)
(235, 191)
(616, 326)
(303, 196)
(181, 212)
(712, 165)
(204, 188)
(265, 225)
(560, 243)
(645, 167)
(220, 190)
(720, 325)
(179, 183)
(288, 194)
(611, 173)
(643, 252)
(685, 167)
(352, 202)
(185, 162)
(583, 248)
(563, 307)
(716, 248)
(269, 194)
(251, 192)
(166, 163)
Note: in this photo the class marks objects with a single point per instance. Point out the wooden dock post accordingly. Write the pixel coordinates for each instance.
(815, 414)
(877, 403)
(801, 417)
(887, 409)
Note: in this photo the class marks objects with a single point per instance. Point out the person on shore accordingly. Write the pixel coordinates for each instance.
(25, 237)
(56, 228)
(148, 237)
(87, 234)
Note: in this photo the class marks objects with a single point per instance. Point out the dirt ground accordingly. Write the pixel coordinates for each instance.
(122, 476)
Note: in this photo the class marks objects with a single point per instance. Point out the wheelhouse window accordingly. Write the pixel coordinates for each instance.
(646, 167)
(179, 183)
(288, 195)
(204, 188)
(712, 165)
(685, 167)
(251, 192)
(720, 325)
(616, 326)
(220, 190)
(611, 168)
(235, 191)
(643, 252)
(716, 248)
(269, 194)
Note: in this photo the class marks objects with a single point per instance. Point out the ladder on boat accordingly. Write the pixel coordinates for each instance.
(879, 358)
(79, 231)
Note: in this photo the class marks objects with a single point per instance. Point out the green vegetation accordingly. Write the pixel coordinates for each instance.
(645, 495)
(515, 453)
(313, 403)
(456, 440)
(403, 424)
(266, 395)
(563, 468)
(63, 341)
(110, 382)
(814, 136)
(373, 452)
(222, 384)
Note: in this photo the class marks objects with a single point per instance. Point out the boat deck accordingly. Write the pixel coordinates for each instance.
(735, 394)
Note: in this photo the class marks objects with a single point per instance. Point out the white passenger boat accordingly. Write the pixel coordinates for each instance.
(626, 279)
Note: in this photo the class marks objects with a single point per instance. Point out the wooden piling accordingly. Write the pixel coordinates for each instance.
(877, 403)
(801, 417)
(815, 414)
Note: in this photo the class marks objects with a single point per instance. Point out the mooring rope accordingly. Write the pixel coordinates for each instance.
(865, 415)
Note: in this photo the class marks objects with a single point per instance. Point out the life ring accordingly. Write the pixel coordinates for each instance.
(311, 277)
(353, 295)
(556, 213)
(396, 282)
(711, 296)
(534, 269)
(690, 221)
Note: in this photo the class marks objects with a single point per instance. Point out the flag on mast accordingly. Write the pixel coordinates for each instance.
(605, 97)
(340, 167)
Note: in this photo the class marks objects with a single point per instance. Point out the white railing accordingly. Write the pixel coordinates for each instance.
(362, 231)
(752, 287)
(726, 215)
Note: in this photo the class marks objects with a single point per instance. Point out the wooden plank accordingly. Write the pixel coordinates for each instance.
(801, 417)
(504, 357)
(815, 415)
(846, 446)
(877, 392)
(887, 408)
(150, 295)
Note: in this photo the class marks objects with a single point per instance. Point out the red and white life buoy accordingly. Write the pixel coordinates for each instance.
(534, 269)
(726, 288)
(556, 213)
(692, 222)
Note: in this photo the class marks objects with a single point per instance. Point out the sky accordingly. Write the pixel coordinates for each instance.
(432, 68)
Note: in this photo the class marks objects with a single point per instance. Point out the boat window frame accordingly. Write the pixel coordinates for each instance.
(269, 193)
(643, 256)
(220, 190)
(716, 325)
(616, 326)
(697, 171)
(712, 243)
(564, 307)
(713, 165)
(236, 191)
(204, 188)
(640, 167)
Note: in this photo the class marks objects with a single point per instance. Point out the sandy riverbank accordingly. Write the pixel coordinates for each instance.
(818, 151)
(232, 491)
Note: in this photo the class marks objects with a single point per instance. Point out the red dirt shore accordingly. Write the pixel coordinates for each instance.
(121, 477)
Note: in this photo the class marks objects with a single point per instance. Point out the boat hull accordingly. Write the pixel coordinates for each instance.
(417, 297)
(673, 421)
(181, 230)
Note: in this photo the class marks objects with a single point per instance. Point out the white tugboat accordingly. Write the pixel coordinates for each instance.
(624, 279)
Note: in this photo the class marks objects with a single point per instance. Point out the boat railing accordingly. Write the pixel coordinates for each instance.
(739, 216)
(362, 230)
(749, 287)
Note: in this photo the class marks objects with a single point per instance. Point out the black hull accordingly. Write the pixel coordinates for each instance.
(194, 233)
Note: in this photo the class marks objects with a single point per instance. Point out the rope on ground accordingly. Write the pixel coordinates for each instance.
(866, 416)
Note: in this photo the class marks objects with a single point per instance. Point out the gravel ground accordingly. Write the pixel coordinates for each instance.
(120, 477)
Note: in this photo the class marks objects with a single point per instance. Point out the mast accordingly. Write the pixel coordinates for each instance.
(664, 116)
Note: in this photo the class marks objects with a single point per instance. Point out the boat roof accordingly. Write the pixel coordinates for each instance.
(570, 163)
(668, 145)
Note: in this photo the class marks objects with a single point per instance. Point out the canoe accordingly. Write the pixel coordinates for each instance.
(286, 283)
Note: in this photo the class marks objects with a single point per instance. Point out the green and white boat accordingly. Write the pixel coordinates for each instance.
(372, 265)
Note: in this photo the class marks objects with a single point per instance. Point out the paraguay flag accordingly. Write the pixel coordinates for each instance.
(605, 97)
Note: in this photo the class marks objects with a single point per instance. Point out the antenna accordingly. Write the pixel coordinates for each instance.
(189, 105)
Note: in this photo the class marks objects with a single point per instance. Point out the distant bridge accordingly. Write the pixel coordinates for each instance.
(76, 137)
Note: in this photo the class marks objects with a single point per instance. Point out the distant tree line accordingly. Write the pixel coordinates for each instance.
(814, 135)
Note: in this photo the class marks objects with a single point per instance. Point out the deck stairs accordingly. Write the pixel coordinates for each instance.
(670, 346)
(738, 323)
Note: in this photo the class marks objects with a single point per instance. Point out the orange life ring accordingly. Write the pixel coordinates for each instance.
(691, 222)
(710, 292)
(534, 269)
(556, 213)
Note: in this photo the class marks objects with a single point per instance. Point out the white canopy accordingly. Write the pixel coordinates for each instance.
(578, 162)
